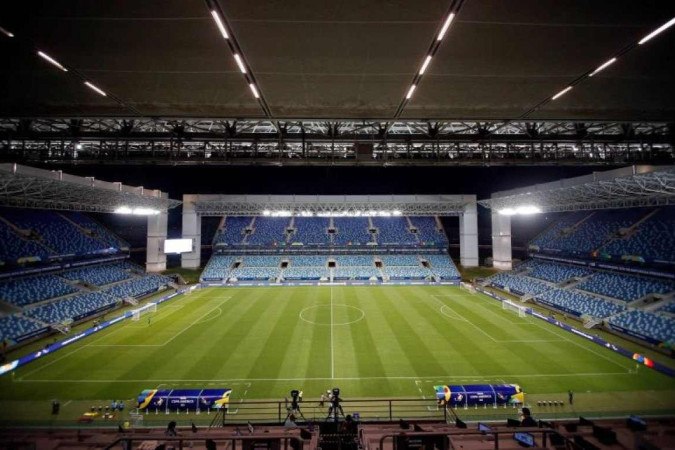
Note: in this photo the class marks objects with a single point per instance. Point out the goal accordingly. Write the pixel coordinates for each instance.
(467, 287)
(510, 306)
(137, 313)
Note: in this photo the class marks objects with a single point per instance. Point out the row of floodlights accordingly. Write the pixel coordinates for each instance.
(136, 211)
(611, 61)
(524, 210)
(356, 213)
(220, 23)
(51, 60)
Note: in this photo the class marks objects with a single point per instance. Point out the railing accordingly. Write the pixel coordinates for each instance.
(211, 441)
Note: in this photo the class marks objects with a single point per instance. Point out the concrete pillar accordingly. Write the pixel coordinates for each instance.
(156, 258)
(468, 235)
(501, 241)
(192, 229)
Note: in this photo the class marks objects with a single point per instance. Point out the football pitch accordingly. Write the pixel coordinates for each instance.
(370, 341)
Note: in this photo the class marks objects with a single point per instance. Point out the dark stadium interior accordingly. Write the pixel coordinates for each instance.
(448, 224)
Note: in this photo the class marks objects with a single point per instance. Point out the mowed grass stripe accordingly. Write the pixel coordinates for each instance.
(257, 342)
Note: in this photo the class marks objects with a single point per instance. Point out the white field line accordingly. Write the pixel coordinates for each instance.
(37, 369)
(332, 354)
(565, 338)
(440, 378)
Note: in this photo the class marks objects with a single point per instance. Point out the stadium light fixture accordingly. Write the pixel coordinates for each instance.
(603, 66)
(524, 210)
(659, 30)
(6, 32)
(136, 211)
(240, 63)
(95, 88)
(219, 23)
(446, 25)
(267, 212)
(425, 65)
(410, 92)
(51, 60)
(254, 90)
(561, 93)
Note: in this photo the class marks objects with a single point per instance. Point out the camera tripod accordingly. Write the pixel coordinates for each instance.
(295, 411)
(335, 411)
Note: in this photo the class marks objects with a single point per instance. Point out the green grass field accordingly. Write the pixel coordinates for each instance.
(395, 341)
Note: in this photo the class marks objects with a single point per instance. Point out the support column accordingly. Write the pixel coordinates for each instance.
(156, 258)
(192, 229)
(468, 234)
(501, 241)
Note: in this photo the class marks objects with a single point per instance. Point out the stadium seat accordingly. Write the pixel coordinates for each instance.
(311, 231)
(24, 291)
(625, 287)
(579, 303)
(651, 325)
(394, 231)
(97, 275)
(15, 326)
(555, 272)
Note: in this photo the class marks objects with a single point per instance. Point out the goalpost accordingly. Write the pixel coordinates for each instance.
(137, 313)
(467, 287)
(510, 306)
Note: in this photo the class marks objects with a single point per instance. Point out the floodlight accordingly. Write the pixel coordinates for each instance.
(51, 60)
(240, 63)
(396, 212)
(219, 23)
(659, 30)
(410, 92)
(7, 33)
(528, 209)
(425, 65)
(254, 90)
(136, 211)
(507, 212)
(563, 92)
(95, 88)
(446, 25)
(603, 66)
(123, 210)
(266, 212)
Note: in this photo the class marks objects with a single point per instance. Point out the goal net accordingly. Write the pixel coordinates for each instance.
(137, 313)
(467, 287)
(510, 306)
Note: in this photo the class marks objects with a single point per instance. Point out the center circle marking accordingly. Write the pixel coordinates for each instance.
(302, 314)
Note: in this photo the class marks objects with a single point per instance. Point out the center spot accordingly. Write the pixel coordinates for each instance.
(342, 314)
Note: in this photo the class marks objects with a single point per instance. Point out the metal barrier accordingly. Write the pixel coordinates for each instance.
(212, 439)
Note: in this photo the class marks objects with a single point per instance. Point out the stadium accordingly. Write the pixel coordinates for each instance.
(377, 225)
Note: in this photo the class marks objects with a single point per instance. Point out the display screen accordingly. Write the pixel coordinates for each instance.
(524, 439)
(177, 245)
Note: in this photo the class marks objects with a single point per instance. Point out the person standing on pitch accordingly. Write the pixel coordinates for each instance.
(570, 396)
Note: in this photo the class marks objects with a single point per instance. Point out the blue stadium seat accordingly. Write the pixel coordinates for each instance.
(24, 291)
(655, 326)
(312, 231)
(442, 266)
(138, 287)
(14, 326)
(555, 272)
(579, 303)
(269, 231)
(98, 275)
(653, 239)
(233, 233)
(625, 287)
(519, 284)
(668, 308)
(218, 267)
(75, 307)
(14, 247)
(351, 272)
(427, 231)
(351, 231)
(393, 231)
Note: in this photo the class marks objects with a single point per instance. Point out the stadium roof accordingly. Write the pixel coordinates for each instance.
(347, 59)
(52, 189)
(619, 188)
(330, 205)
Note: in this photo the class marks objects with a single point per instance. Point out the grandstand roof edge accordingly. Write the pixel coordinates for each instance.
(25, 186)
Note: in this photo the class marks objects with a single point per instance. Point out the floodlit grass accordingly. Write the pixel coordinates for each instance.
(375, 341)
